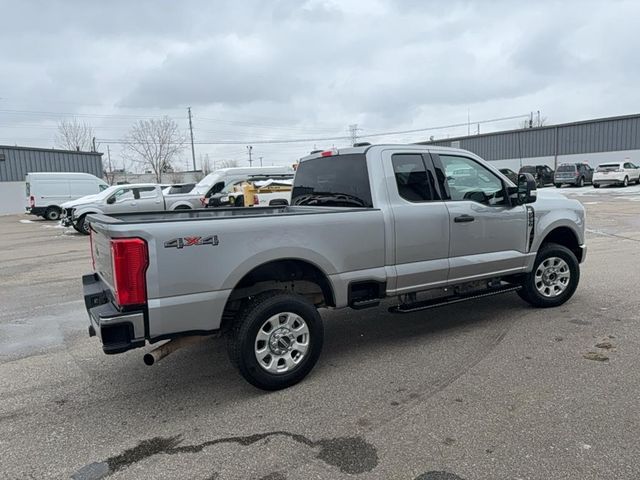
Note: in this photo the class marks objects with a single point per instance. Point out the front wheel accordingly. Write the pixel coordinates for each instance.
(82, 225)
(625, 182)
(581, 182)
(558, 185)
(554, 278)
(276, 340)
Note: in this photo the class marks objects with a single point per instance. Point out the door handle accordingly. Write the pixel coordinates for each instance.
(464, 219)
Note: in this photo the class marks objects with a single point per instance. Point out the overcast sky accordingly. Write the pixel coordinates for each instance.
(289, 69)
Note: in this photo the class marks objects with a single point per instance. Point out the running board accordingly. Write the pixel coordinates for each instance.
(424, 305)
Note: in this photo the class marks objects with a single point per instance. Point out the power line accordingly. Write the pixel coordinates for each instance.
(341, 137)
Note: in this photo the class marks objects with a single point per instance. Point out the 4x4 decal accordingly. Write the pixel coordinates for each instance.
(191, 241)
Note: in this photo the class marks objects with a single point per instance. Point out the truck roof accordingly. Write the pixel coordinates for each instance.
(366, 148)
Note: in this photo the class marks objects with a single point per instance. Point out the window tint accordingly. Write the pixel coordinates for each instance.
(566, 168)
(627, 165)
(103, 186)
(412, 178)
(146, 192)
(468, 180)
(123, 195)
(337, 181)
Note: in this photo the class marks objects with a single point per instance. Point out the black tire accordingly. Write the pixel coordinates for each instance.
(596, 185)
(241, 338)
(580, 182)
(183, 207)
(52, 214)
(625, 182)
(529, 293)
(82, 225)
(239, 201)
(558, 185)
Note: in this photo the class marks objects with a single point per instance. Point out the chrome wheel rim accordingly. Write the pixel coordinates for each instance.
(552, 277)
(282, 343)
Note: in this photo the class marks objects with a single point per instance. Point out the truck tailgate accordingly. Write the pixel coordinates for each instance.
(101, 252)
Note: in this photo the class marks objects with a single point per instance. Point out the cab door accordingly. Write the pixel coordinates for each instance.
(421, 231)
(487, 235)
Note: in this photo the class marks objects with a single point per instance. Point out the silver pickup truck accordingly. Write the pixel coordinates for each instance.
(139, 197)
(427, 226)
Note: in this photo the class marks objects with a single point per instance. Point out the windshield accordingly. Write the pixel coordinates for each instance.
(337, 181)
(106, 192)
(205, 184)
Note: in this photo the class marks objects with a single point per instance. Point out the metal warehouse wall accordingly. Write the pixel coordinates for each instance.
(591, 136)
(16, 162)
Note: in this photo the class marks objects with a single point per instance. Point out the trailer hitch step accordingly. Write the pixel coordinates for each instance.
(437, 302)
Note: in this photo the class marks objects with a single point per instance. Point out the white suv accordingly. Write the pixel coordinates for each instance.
(616, 173)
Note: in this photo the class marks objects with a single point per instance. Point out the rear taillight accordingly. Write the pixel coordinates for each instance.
(129, 259)
(32, 201)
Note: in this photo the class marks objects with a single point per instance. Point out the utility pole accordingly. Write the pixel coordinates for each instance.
(193, 151)
(93, 143)
(249, 148)
(260, 161)
(111, 172)
(468, 121)
(353, 133)
(538, 122)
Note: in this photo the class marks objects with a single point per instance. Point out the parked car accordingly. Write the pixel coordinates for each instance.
(542, 173)
(232, 194)
(216, 181)
(178, 188)
(142, 197)
(616, 173)
(510, 174)
(576, 174)
(46, 192)
(365, 224)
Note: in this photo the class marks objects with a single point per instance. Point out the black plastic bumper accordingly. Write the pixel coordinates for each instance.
(36, 210)
(118, 330)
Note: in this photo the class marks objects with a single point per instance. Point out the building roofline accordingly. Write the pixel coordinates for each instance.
(53, 150)
(545, 127)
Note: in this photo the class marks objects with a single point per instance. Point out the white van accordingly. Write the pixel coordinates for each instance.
(216, 181)
(46, 192)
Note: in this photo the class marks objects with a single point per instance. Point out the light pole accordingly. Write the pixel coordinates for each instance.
(249, 148)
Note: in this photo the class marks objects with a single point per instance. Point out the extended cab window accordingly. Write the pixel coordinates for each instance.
(468, 180)
(412, 177)
(337, 181)
(123, 195)
(146, 192)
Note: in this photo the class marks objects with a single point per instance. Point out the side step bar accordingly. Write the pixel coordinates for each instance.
(439, 302)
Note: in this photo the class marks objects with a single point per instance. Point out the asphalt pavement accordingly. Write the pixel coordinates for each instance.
(488, 389)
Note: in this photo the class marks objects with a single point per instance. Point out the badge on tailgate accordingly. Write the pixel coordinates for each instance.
(191, 241)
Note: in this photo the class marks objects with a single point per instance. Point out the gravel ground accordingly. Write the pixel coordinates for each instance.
(490, 389)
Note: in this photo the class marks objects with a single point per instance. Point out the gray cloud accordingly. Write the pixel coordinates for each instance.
(289, 68)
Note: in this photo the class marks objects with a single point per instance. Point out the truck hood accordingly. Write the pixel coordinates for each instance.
(81, 201)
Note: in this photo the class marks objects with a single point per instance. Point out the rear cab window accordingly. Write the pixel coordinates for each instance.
(336, 181)
(413, 180)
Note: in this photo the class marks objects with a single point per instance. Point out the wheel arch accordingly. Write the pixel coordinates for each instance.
(296, 275)
(565, 236)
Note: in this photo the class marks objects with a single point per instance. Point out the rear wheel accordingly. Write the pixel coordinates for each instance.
(276, 340)
(554, 278)
(581, 182)
(183, 207)
(558, 185)
(596, 185)
(52, 214)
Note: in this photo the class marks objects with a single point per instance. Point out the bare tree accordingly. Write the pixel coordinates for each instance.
(534, 122)
(227, 163)
(205, 164)
(75, 135)
(154, 144)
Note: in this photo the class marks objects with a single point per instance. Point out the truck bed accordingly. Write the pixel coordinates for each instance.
(214, 214)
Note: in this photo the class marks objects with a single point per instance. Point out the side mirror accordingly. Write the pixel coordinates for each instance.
(111, 200)
(526, 192)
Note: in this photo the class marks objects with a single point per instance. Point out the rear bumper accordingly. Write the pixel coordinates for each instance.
(118, 330)
(609, 178)
(35, 210)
